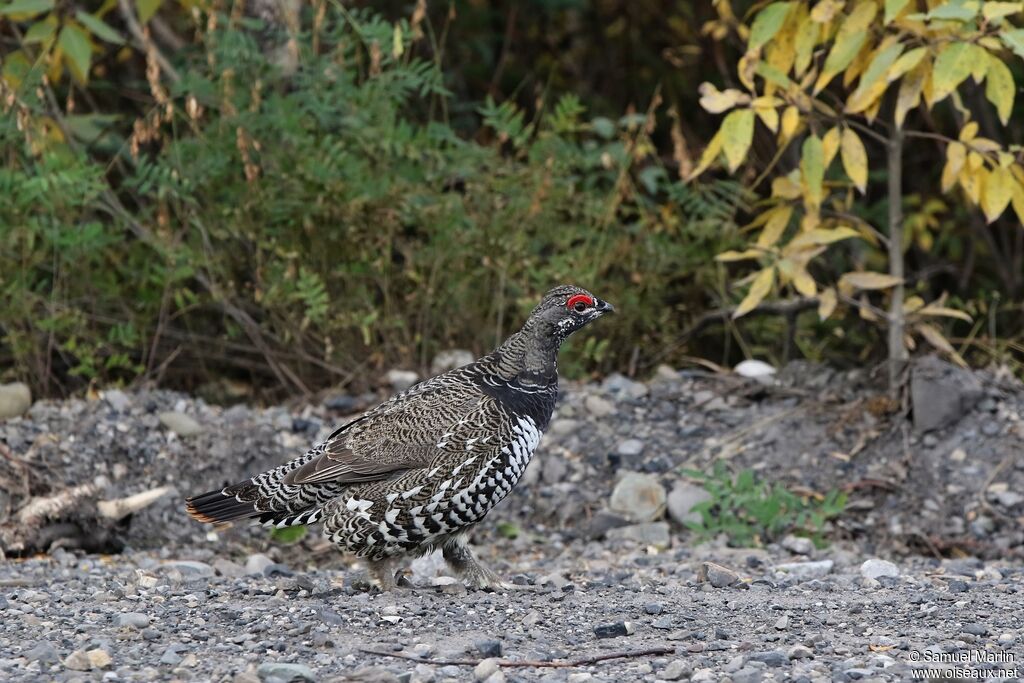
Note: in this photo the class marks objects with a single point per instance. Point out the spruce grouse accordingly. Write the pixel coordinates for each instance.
(419, 470)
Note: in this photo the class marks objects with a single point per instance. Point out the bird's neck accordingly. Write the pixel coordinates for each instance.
(529, 356)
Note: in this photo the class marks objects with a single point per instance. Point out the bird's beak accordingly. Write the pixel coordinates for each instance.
(604, 306)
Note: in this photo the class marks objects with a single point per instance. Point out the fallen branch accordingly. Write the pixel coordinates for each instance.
(555, 664)
(122, 507)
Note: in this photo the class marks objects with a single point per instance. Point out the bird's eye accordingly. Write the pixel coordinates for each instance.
(579, 307)
(579, 303)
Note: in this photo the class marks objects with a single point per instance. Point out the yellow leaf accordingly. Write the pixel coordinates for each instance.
(974, 160)
(397, 45)
(874, 82)
(1018, 192)
(827, 303)
(999, 87)
(826, 10)
(910, 91)
(830, 145)
(971, 181)
(939, 341)
(905, 63)
(737, 133)
(807, 34)
(848, 41)
(758, 291)
(709, 155)
(998, 10)
(804, 283)
(864, 308)
(764, 107)
(955, 63)
(775, 226)
(893, 9)
(996, 193)
(932, 309)
(730, 256)
(821, 236)
(812, 171)
(855, 159)
(790, 122)
(868, 280)
(717, 101)
(956, 155)
(913, 303)
(785, 187)
(747, 67)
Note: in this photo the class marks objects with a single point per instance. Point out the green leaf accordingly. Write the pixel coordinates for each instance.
(952, 67)
(1014, 40)
(999, 87)
(893, 8)
(767, 23)
(28, 8)
(41, 31)
(289, 534)
(848, 41)
(74, 43)
(99, 28)
(812, 168)
(147, 8)
(737, 134)
(957, 10)
(508, 529)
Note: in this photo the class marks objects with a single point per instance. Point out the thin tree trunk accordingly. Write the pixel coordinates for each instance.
(898, 355)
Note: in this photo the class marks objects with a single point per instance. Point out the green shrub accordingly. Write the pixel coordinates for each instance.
(298, 230)
(751, 512)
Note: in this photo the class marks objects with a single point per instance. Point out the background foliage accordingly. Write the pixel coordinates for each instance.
(281, 197)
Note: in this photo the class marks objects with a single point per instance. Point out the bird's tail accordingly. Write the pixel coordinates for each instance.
(251, 499)
(224, 505)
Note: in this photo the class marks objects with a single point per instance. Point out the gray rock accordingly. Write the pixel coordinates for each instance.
(798, 545)
(489, 647)
(649, 533)
(624, 387)
(782, 623)
(875, 568)
(227, 568)
(675, 670)
(941, 393)
(171, 656)
(747, 675)
(189, 568)
(683, 498)
(800, 652)
(614, 629)
(638, 497)
(87, 660)
(15, 399)
(486, 668)
(256, 563)
(449, 360)
(807, 570)
(400, 380)
(598, 407)
(117, 399)
(180, 423)
(553, 469)
(717, 575)
(604, 521)
(292, 673)
(630, 448)
(134, 620)
(44, 652)
(772, 658)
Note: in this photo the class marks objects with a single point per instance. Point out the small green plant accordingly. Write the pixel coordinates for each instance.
(752, 512)
(289, 534)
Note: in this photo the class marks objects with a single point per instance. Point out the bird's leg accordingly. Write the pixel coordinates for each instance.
(382, 573)
(462, 561)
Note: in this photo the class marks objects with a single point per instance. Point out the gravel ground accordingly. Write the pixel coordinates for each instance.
(594, 532)
(139, 617)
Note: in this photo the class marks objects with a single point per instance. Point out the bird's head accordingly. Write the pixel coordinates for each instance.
(565, 309)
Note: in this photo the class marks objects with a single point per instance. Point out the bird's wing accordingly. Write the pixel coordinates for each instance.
(399, 435)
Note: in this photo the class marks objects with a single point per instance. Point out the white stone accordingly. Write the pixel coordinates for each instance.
(875, 568)
(638, 497)
(400, 380)
(15, 399)
(755, 369)
(683, 498)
